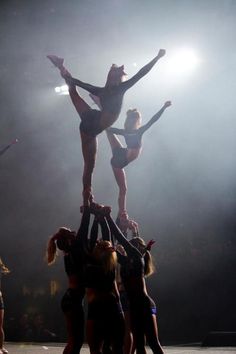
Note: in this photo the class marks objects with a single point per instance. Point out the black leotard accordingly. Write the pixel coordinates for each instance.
(133, 138)
(111, 97)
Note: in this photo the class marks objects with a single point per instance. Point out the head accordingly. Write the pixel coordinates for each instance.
(63, 240)
(105, 254)
(3, 268)
(116, 75)
(140, 244)
(133, 119)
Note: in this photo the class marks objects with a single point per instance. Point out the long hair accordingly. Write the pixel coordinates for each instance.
(3, 267)
(56, 241)
(140, 244)
(104, 253)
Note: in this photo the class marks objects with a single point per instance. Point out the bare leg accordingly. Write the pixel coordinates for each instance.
(152, 336)
(89, 150)
(113, 140)
(80, 105)
(75, 331)
(89, 143)
(128, 341)
(119, 174)
(120, 177)
(94, 338)
(1, 329)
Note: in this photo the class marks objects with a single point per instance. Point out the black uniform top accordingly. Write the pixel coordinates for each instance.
(133, 138)
(111, 97)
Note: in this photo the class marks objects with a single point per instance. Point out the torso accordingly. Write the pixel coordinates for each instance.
(133, 139)
(132, 274)
(111, 99)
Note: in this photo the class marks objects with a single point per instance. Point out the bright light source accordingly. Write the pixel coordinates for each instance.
(182, 61)
(62, 90)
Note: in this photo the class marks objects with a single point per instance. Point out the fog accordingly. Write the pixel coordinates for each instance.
(182, 188)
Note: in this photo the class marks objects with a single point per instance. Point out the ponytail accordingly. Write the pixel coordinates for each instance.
(51, 251)
(149, 265)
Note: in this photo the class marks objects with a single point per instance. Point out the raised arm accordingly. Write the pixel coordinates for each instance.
(82, 233)
(155, 117)
(93, 234)
(130, 250)
(142, 72)
(106, 233)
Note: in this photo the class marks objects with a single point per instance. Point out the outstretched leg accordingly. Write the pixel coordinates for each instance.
(1, 326)
(80, 105)
(88, 142)
(113, 140)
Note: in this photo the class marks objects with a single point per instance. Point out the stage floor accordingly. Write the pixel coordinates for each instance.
(54, 348)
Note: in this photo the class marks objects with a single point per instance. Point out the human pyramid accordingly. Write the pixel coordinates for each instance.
(110, 272)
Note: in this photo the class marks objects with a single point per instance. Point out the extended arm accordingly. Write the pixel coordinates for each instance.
(142, 72)
(106, 234)
(155, 117)
(5, 148)
(130, 250)
(82, 234)
(116, 131)
(93, 234)
(95, 90)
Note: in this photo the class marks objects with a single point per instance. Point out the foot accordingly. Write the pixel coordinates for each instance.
(95, 208)
(106, 210)
(58, 62)
(4, 350)
(124, 220)
(133, 226)
(100, 210)
(161, 53)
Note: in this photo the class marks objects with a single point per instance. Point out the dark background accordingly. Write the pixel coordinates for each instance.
(181, 189)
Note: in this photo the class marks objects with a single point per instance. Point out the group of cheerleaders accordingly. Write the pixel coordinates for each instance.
(109, 272)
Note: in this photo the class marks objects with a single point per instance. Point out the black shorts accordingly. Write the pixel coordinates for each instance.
(107, 309)
(142, 306)
(72, 301)
(1, 302)
(90, 122)
(119, 158)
